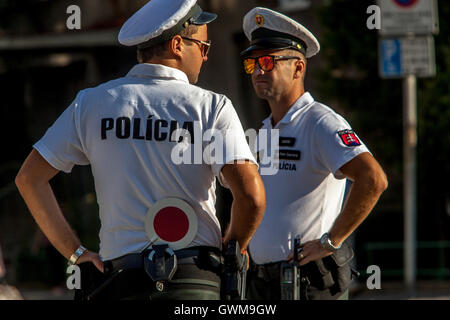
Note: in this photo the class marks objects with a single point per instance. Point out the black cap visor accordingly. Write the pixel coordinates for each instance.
(263, 39)
(204, 18)
(255, 47)
(273, 44)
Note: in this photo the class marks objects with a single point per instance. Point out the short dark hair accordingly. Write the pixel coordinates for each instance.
(156, 50)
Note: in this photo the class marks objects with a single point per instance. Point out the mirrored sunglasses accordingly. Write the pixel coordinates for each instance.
(266, 62)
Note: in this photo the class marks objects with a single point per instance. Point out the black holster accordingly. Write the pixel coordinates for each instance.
(235, 273)
(333, 272)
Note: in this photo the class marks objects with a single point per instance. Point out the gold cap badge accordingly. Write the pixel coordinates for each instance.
(259, 20)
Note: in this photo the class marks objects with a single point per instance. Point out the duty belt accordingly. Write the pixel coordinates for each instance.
(206, 256)
(331, 273)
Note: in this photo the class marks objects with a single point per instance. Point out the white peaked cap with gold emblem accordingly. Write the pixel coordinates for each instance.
(268, 29)
(160, 20)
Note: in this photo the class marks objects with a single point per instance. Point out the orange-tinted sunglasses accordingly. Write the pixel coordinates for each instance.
(266, 63)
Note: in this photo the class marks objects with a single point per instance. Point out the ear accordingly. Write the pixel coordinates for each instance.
(300, 67)
(176, 44)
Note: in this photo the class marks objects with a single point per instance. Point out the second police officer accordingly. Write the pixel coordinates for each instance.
(318, 151)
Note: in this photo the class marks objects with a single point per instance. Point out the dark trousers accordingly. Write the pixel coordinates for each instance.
(188, 283)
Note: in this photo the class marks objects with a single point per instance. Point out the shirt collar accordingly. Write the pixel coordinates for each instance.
(296, 108)
(147, 71)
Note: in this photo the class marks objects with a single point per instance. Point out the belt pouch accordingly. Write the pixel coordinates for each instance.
(338, 264)
(326, 279)
(210, 261)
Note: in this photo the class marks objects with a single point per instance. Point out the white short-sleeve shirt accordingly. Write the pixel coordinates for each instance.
(123, 130)
(305, 196)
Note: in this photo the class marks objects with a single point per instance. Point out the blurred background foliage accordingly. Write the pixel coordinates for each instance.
(349, 77)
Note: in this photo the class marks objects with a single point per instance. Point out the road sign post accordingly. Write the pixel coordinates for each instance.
(410, 181)
(409, 57)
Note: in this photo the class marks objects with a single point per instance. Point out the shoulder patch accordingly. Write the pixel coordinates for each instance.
(349, 138)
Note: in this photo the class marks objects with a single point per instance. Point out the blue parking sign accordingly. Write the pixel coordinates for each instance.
(391, 58)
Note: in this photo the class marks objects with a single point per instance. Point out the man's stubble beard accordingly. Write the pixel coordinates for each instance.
(264, 94)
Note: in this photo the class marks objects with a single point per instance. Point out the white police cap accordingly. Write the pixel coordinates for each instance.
(160, 20)
(268, 29)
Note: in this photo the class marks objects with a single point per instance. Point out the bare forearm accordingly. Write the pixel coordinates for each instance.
(361, 200)
(42, 204)
(249, 201)
(245, 219)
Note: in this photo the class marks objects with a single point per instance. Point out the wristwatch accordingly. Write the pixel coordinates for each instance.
(325, 241)
(77, 254)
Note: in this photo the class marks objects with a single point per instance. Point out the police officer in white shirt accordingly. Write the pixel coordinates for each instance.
(127, 130)
(318, 151)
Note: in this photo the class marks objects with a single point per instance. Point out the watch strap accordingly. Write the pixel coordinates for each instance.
(76, 255)
(325, 241)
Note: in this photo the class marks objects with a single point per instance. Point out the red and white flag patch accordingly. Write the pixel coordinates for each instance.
(349, 138)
